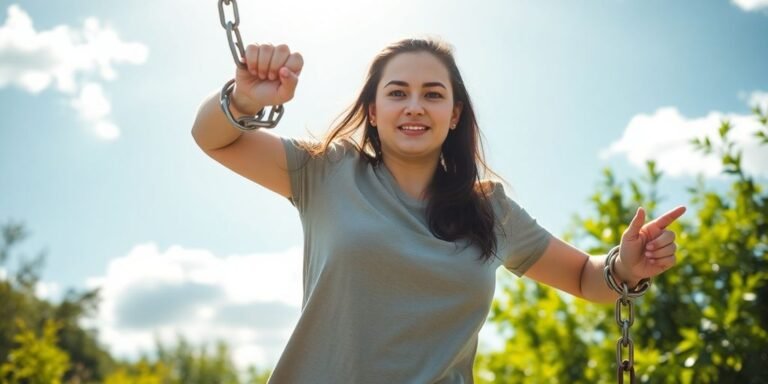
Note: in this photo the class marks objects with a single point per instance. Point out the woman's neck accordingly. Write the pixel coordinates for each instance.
(413, 177)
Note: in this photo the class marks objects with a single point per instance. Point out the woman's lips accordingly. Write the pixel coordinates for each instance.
(413, 130)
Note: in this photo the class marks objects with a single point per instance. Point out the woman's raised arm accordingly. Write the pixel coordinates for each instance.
(270, 78)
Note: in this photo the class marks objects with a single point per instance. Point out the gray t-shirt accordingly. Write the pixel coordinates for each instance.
(385, 301)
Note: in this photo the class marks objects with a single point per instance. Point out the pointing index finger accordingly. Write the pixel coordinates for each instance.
(668, 218)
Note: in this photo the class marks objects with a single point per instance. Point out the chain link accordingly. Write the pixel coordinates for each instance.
(248, 123)
(625, 341)
(235, 12)
(609, 274)
(624, 366)
(244, 123)
(233, 32)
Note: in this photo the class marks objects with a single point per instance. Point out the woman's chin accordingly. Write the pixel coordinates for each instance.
(416, 152)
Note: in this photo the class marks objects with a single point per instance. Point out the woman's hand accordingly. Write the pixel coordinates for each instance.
(647, 249)
(270, 77)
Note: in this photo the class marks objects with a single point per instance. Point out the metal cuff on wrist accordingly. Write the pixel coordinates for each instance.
(622, 289)
(248, 123)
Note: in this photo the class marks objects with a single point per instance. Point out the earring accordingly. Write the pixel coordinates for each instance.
(373, 122)
(376, 143)
(453, 126)
(442, 162)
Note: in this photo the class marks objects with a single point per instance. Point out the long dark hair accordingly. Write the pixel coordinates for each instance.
(459, 206)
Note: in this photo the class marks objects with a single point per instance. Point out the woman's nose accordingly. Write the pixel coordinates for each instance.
(414, 107)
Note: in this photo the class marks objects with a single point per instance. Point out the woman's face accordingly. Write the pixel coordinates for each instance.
(414, 108)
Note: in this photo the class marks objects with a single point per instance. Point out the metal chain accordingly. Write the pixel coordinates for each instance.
(233, 32)
(625, 341)
(245, 123)
(627, 365)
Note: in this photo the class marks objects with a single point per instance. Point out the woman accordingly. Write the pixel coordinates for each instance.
(402, 237)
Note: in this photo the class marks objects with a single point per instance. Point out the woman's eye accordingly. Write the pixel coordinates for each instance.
(429, 95)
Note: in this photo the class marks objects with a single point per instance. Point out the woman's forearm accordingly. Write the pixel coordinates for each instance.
(211, 129)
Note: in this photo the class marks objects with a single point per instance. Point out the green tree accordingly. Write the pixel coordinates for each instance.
(188, 364)
(184, 363)
(704, 321)
(257, 376)
(35, 360)
(88, 360)
(142, 372)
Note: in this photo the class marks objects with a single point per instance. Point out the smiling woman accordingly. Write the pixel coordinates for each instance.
(403, 232)
(413, 128)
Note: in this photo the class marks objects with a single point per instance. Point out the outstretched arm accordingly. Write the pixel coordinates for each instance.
(647, 249)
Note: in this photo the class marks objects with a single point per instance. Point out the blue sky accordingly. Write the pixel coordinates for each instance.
(96, 156)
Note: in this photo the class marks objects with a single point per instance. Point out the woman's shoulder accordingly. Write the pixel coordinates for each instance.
(340, 149)
(334, 150)
(496, 193)
(491, 188)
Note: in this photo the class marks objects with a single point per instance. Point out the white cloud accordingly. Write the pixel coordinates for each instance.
(50, 291)
(71, 59)
(751, 5)
(759, 99)
(665, 137)
(94, 107)
(252, 302)
(91, 102)
(106, 130)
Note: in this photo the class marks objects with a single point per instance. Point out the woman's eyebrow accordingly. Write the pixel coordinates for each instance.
(425, 85)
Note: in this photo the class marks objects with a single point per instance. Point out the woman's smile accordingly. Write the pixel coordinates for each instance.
(413, 129)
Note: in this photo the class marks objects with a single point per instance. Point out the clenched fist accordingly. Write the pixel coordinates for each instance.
(269, 78)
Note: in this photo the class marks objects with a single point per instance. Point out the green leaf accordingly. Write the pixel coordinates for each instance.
(725, 127)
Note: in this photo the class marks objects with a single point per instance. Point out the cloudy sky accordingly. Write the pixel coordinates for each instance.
(97, 160)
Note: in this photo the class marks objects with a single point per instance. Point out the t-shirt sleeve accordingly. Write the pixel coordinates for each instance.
(523, 238)
(308, 172)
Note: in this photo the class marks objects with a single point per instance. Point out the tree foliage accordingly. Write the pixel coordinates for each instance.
(35, 360)
(183, 363)
(87, 360)
(703, 321)
(141, 372)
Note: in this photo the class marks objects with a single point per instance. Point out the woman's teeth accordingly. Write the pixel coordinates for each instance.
(413, 128)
